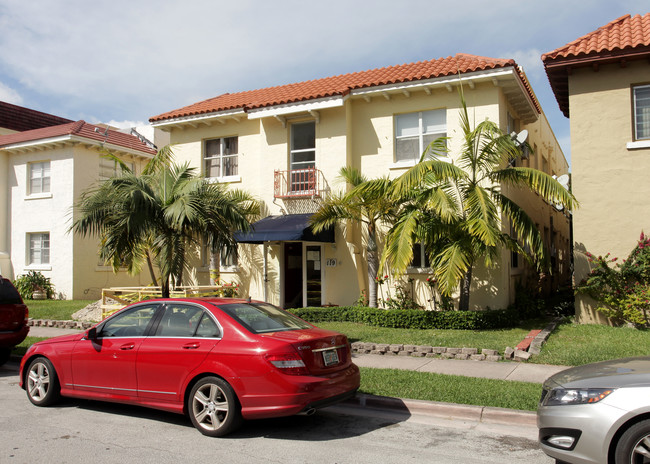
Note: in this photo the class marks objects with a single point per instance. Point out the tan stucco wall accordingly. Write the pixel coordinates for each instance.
(360, 134)
(610, 181)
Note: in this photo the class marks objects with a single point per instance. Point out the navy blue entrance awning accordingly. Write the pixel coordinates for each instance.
(290, 227)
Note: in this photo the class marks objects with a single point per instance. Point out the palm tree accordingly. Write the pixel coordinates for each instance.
(455, 210)
(163, 210)
(368, 203)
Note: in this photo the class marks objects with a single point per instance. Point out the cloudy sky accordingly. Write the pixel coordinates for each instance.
(124, 61)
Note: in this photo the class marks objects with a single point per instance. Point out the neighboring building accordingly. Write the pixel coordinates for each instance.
(602, 83)
(286, 145)
(46, 162)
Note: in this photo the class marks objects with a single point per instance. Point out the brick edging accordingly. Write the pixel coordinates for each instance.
(81, 325)
(427, 351)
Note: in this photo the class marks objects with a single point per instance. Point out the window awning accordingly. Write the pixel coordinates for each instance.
(286, 228)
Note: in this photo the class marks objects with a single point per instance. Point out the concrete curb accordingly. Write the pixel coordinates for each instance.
(483, 414)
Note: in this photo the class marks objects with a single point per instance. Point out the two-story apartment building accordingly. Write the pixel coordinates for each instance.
(286, 145)
(46, 162)
(602, 83)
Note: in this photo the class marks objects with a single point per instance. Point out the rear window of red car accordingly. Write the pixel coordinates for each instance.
(8, 293)
(263, 318)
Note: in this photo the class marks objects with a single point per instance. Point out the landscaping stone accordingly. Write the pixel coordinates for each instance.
(381, 353)
(462, 356)
(424, 349)
(469, 351)
(487, 352)
(448, 355)
(509, 353)
(439, 349)
(396, 348)
(493, 358)
(403, 353)
(453, 350)
(521, 355)
(477, 357)
(383, 347)
(418, 354)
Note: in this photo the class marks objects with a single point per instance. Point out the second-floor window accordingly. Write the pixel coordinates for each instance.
(39, 177)
(109, 168)
(415, 131)
(220, 157)
(303, 155)
(642, 112)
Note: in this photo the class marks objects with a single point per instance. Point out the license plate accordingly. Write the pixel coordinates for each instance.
(330, 357)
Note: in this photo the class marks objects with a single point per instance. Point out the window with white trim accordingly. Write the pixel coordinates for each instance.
(303, 156)
(642, 112)
(109, 168)
(220, 157)
(420, 256)
(39, 249)
(39, 177)
(415, 131)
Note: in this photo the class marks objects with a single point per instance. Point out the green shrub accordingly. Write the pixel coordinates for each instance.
(31, 282)
(412, 319)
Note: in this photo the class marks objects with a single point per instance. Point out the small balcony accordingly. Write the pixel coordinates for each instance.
(298, 183)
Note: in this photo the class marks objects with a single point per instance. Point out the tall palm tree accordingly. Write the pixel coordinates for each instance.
(456, 210)
(163, 210)
(367, 202)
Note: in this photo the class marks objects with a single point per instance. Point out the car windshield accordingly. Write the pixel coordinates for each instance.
(262, 318)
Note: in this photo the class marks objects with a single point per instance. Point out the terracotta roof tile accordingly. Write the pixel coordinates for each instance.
(342, 85)
(17, 118)
(625, 38)
(622, 33)
(79, 129)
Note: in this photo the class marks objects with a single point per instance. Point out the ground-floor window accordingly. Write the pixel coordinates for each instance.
(39, 248)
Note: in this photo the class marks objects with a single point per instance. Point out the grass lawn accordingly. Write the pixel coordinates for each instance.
(575, 344)
(489, 339)
(60, 310)
(450, 388)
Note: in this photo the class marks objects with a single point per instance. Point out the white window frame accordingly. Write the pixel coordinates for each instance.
(424, 258)
(38, 243)
(222, 159)
(438, 131)
(640, 140)
(44, 171)
(300, 169)
(115, 168)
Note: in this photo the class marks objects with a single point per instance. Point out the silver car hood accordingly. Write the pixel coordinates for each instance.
(627, 372)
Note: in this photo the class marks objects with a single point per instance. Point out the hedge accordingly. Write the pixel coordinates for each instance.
(412, 319)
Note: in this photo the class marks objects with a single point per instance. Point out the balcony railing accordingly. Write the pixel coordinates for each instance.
(298, 183)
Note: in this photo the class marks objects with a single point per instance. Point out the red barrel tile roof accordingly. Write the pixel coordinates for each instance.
(625, 38)
(17, 118)
(623, 33)
(79, 129)
(342, 85)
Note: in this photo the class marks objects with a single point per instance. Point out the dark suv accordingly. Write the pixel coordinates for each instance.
(13, 319)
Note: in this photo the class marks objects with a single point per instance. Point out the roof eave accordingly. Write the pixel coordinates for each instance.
(68, 139)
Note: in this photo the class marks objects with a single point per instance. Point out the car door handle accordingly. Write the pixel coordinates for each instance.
(191, 346)
(127, 346)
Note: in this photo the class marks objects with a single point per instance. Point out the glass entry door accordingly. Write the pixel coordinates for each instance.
(313, 275)
(302, 275)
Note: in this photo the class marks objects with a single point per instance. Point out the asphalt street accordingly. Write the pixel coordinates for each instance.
(78, 431)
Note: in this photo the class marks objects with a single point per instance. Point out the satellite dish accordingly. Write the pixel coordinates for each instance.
(521, 137)
(564, 181)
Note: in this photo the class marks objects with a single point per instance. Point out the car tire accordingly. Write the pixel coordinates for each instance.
(42, 383)
(5, 353)
(213, 407)
(634, 443)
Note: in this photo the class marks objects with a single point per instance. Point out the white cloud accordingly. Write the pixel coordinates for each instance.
(530, 60)
(9, 95)
(126, 124)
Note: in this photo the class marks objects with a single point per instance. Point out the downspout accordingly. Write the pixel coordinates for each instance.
(266, 273)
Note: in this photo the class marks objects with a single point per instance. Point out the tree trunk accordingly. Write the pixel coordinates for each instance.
(373, 266)
(465, 284)
(214, 267)
(165, 287)
(154, 281)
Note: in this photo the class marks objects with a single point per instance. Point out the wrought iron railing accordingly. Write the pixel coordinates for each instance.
(298, 183)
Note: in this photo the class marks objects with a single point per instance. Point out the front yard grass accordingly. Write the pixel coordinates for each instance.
(60, 310)
(573, 344)
(450, 388)
(488, 339)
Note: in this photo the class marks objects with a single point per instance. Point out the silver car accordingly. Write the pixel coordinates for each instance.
(597, 413)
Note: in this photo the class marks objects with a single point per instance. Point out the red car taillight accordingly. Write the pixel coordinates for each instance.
(291, 364)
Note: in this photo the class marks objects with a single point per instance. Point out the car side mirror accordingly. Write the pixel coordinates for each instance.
(91, 334)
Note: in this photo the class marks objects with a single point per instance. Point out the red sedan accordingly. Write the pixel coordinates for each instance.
(219, 360)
